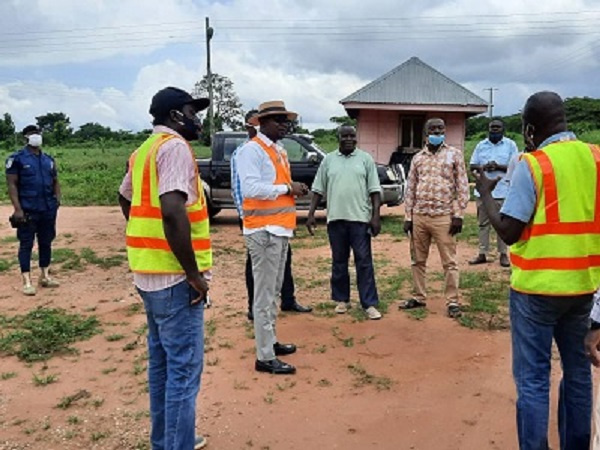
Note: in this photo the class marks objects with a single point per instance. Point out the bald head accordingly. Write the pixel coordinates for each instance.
(543, 116)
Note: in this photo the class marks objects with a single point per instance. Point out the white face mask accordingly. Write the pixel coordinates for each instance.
(35, 140)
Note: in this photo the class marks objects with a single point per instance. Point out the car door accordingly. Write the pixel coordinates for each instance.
(304, 163)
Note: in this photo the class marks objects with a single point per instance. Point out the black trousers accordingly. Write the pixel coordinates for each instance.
(287, 289)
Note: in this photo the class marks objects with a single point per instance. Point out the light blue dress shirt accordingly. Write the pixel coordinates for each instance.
(501, 152)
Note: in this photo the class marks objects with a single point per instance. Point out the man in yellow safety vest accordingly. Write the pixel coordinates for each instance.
(551, 219)
(169, 253)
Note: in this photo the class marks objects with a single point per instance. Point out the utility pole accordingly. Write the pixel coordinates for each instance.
(209, 35)
(491, 102)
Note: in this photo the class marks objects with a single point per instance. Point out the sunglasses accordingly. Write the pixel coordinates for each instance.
(280, 119)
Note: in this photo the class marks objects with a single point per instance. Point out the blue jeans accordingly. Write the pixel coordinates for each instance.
(40, 224)
(343, 236)
(535, 321)
(176, 353)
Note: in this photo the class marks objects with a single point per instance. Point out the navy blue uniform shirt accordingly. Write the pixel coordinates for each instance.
(36, 179)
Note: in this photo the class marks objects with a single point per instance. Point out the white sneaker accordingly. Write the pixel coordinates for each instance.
(372, 313)
(342, 307)
(200, 442)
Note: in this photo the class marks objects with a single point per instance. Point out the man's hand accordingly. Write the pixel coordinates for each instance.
(311, 224)
(491, 166)
(298, 189)
(408, 226)
(591, 343)
(483, 184)
(455, 226)
(375, 226)
(200, 285)
(19, 215)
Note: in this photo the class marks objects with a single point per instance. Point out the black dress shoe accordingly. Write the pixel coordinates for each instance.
(296, 307)
(284, 349)
(275, 366)
(480, 259)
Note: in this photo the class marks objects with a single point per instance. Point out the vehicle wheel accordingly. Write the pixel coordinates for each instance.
(212, 211)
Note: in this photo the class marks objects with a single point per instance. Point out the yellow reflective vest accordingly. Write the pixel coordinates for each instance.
(558, 253)
(147, 248)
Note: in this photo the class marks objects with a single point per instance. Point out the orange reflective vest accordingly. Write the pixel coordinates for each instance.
(558, 253)
(279, 212)
(148, 250)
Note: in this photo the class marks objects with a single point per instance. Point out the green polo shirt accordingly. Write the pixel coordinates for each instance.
(348, 182)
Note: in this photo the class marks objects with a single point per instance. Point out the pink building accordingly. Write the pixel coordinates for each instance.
(392, 110)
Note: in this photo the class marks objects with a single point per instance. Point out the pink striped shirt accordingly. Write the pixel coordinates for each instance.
(176, 169)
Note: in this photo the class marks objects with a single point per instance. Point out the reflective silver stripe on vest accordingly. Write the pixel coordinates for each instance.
(269, 212)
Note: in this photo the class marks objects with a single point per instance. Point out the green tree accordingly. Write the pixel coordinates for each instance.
(343, 120)
(56, 127)
(227, 108)
(93, 131)
(7, 130)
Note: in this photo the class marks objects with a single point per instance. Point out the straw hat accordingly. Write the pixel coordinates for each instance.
(272, 108)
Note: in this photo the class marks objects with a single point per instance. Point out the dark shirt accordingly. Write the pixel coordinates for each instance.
(37, 173)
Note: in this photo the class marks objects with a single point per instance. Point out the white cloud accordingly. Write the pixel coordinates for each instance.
(310, 54)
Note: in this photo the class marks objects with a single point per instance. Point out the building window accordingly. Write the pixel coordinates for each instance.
(411, 132)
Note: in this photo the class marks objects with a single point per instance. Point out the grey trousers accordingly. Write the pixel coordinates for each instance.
(484, 229)
(268, 254)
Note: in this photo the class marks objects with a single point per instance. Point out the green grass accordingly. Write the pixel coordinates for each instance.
(44, 380)
(7, 375)
(364, 378)
(44, 332)
(487, 294)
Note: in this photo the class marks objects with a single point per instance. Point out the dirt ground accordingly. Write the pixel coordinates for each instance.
(398, 383)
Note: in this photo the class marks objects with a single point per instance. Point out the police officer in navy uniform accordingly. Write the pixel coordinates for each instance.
(34, 191)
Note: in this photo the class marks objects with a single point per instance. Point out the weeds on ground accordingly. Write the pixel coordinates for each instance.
(470, 230)
(487, 296)
(393, 225)
(71, 260)
(324, 309)
(44, 332)
(303, 239)
(363, 378)
(41, 380)
(7, 375)
(68, 400)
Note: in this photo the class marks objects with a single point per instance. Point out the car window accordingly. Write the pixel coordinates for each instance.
(296, 152)
(230, 144)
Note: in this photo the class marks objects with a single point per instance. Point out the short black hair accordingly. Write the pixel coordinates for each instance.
(249, 115)
(29, 128)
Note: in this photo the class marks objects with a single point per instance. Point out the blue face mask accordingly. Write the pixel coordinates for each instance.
(436, 139)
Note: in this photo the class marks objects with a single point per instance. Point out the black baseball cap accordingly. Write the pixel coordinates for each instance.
(172, 98)
(30, 128)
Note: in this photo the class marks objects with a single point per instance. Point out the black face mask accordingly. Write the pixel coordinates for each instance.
(495, 137)
(190, 127)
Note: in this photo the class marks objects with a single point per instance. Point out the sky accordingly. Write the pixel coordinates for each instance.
(102, 60)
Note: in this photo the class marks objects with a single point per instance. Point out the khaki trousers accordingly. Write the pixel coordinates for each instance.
(425, 229)
(484, 229)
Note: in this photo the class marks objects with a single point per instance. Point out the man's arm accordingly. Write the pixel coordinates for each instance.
(178, 230)
(461, 186)
(411, 189)
(176, 225)
(57, 193)
(311, 222)
(375, 223)
(249, 165)
(125, 206)
(508, 228)
(12, 182)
